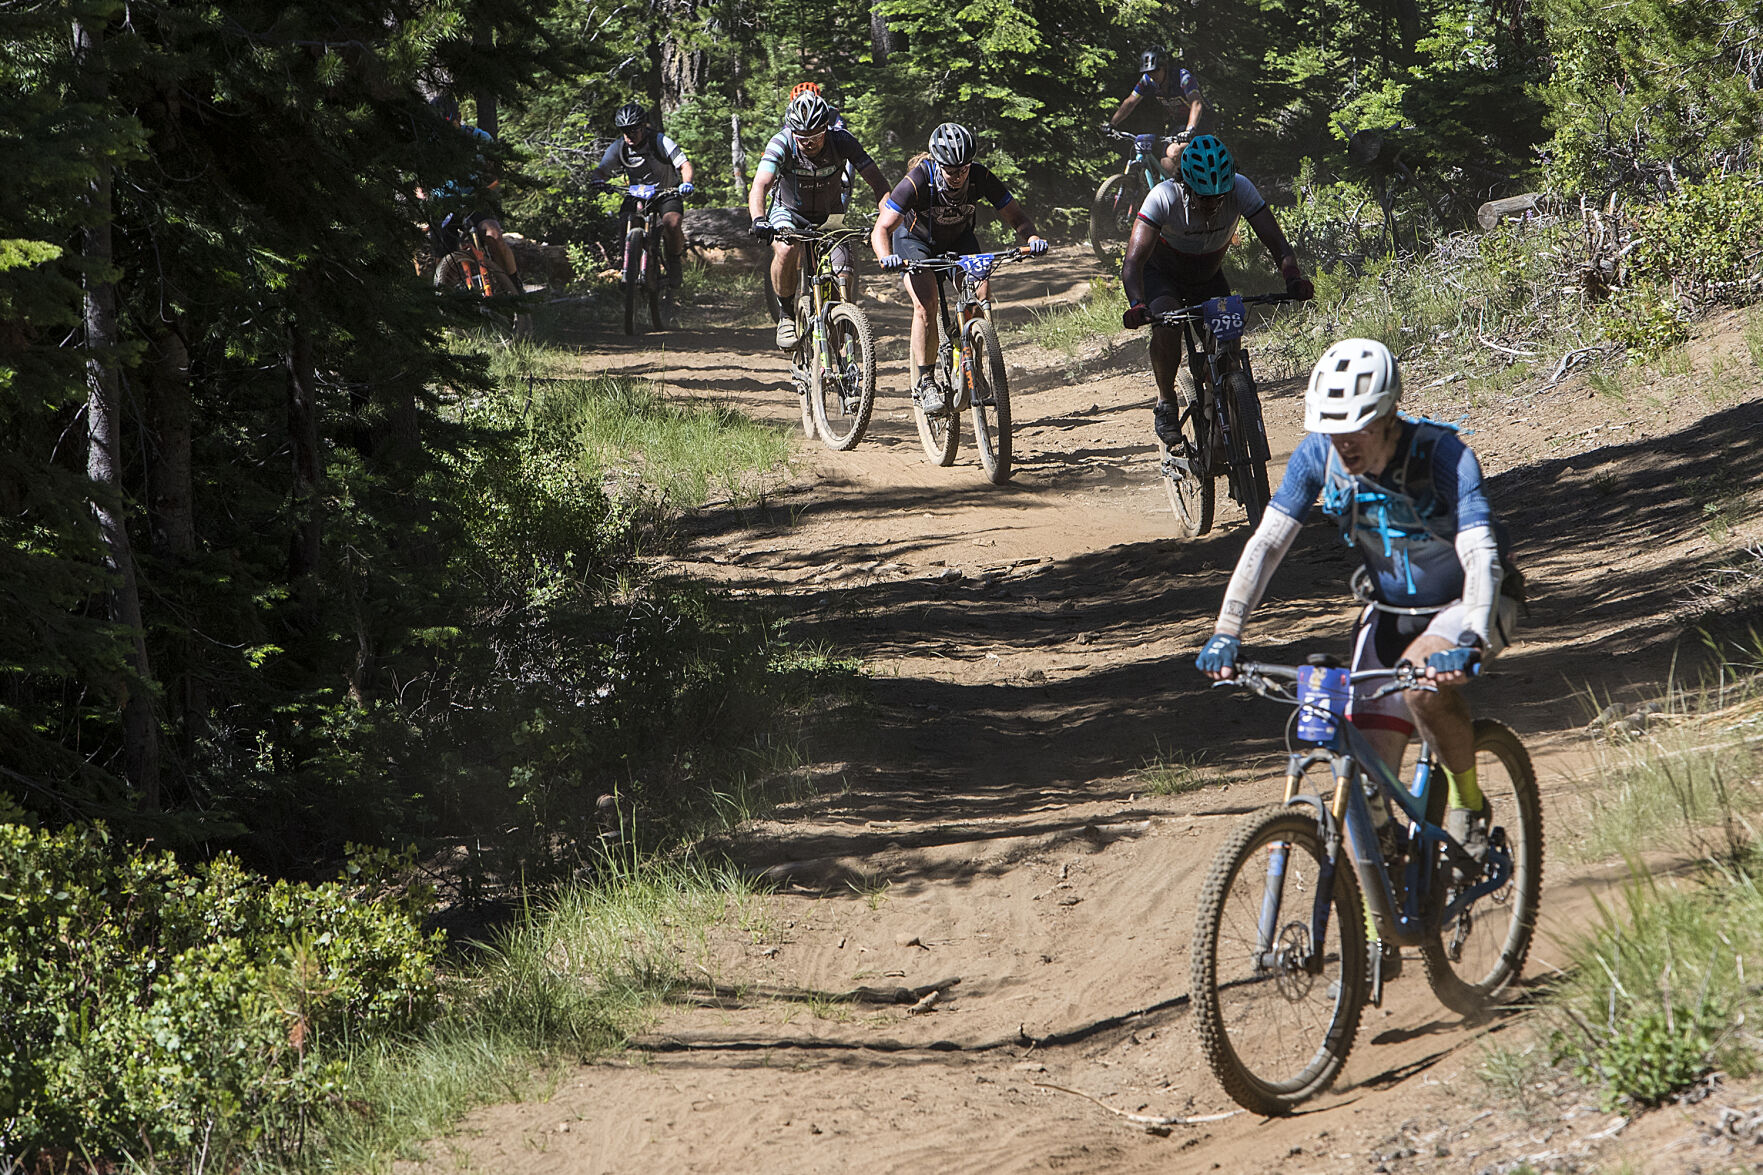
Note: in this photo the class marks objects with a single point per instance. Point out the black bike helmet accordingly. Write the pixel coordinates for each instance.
(808, 113)
(630, 115)
(1150, 59)
(952, 145)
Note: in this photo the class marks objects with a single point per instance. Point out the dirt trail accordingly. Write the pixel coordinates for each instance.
(988, 820)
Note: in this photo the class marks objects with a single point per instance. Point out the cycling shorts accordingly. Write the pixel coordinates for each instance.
(660, 207)
(449, 233)
(1380, 638)
(788, 219)
(913, 247)
(1160, 283)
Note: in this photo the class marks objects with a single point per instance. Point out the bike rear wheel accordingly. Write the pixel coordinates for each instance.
(1248, 441)
(988, 400)
(1276, 1013)
(633, 278)
(1111, 214)
(1192, 488)
(843, 393)
(1470, 959)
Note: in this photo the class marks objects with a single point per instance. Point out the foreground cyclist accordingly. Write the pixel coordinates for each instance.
(806, 163)
(932, 211)
(649, 157)
(1175, 257)
(1173, 100)
(1408, 494)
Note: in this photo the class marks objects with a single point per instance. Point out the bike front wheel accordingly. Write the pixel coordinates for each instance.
(843, 394)
(633, 279)
(1472, 957)
(657, 288)
(1187, 475)
(1111, 215)
(1278, 963)
(1248, 444)
(988, 400)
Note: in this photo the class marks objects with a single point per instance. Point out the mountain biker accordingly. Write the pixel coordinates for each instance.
(650, 157)
(1169, 101)
(1408, 494)
(931, 211)
(806, 163)
(446, 233)
(1175, 256)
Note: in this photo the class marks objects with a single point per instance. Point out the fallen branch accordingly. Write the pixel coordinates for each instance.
(1487, 342)
(1149, 1121)
(1569, 361)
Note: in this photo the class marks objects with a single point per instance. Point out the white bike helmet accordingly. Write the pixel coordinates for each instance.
(1354, 383)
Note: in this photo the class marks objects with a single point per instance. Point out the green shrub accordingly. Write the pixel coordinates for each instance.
(152, 1008)
(1652, 1056)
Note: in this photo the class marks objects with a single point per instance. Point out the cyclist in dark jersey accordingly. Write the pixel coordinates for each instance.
(1175, 256)
(1166, 97)
(804, 167)
(1408, 495)
(463, 206)
(649, 157)
(932, 211)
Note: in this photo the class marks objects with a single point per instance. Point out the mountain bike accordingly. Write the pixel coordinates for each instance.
(1280, 966)
(1220, 415)
(1119, 196)
(973, 352)
(645, 272)
(471, 270)
(833, 365)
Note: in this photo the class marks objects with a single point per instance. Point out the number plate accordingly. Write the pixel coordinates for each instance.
(642, 191)
(1224, 318)
(1146, 143)
(979, 266)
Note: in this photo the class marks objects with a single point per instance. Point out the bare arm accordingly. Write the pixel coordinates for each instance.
(762, 181)
(1195, 106)
(1267, 228)
(881, 237)
(1018, 220)
(1138, 251)
(1126, 107)
(877, 182)
(687, 171)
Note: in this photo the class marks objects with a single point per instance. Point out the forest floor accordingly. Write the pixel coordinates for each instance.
(986, 814)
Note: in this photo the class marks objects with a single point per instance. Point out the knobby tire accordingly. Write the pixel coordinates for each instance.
(1247, 442)
(1276, 1036)
(1111, 214)
(940, 435)
(1191, 497)
(850, 345)
(988, 399)
(655, 286)
(633, 277)
(1491, 940)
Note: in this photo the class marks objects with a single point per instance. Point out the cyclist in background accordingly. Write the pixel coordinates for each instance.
(1167, 101)
(650, 157)
(1175, 257)
(462, 195)
(932, 211)
(806, 163)
(1408, 494)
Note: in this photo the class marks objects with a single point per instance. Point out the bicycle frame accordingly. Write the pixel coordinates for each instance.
(967, 272)
(1213, 330)
(815, 275)
(1351, 759)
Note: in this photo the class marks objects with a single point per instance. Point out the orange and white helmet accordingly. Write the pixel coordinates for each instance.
(805, 88)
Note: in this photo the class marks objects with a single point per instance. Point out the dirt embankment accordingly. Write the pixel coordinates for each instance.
(989, 820)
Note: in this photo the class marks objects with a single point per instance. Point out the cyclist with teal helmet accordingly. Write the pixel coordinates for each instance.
(1175, 257)
(1167, 95)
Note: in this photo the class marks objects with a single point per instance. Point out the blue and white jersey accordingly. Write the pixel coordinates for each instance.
(1405, 521)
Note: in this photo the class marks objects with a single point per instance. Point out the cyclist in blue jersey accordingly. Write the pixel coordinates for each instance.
(1173, 98)
(1434, 573)
(463, 205)
(1175, 257)
(649, 157)
(805, 163)
(932, 211)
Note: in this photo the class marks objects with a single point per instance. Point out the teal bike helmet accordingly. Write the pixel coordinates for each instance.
(1207, 168)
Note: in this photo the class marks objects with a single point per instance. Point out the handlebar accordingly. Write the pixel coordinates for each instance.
(636, 191)
(1111, 132)
(1197, 313)
(1270, 681)
(813, 234)
(975, 265)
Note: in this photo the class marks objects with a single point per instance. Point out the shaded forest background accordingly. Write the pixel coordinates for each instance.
(282, 574)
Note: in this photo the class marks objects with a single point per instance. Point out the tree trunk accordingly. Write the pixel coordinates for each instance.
(682, 69)
(140, 738)
(883, 41)
(171, 517)
(304, 544)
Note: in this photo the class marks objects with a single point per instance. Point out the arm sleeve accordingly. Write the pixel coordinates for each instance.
(1249, 200)
(988, 187)
(904, 197)
(671, 150)
(851, 149)
(1263, 552)
(609, 160)
(1187, 84)
(1479, 553)
(773, 158)
(1154, 209)
(1145, 87)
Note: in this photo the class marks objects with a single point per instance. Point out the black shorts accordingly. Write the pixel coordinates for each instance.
(447, 235)
(1160, 283)
(915, 248)
(659, 207)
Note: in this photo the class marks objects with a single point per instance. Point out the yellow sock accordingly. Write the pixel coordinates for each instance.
(1461, 790)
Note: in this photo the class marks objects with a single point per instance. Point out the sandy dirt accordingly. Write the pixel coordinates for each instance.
(986, 826)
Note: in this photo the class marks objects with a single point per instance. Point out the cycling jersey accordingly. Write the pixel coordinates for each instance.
(939, 216)
(656, 160)
(1405, 521)
(1163, 106)
(463, 189)
(813, 185)
(1190, 247)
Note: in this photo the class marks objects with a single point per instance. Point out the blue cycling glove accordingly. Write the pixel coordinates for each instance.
(1219, 654)
(893, 261)
(1037, 246)
(686, 188)
(1462, 659)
